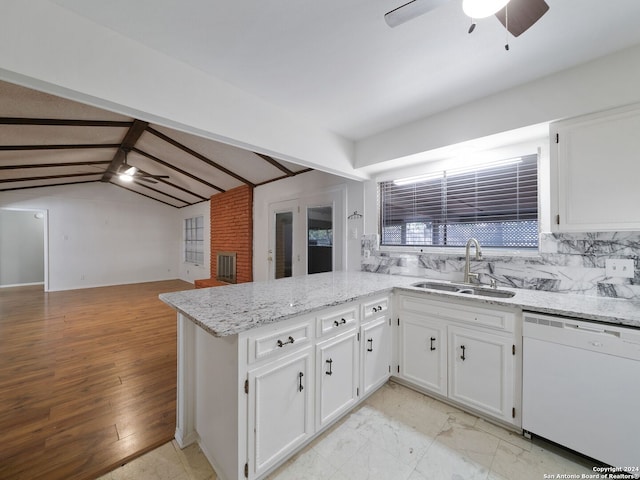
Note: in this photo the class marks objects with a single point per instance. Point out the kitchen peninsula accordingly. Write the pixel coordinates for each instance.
(264, 367)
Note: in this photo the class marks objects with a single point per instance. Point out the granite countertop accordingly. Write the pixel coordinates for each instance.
(232, 309)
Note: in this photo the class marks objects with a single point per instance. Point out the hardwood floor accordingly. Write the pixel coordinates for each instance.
(87, 378)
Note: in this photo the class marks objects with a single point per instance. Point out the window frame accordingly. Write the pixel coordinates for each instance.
(527, 251)
(190, 227)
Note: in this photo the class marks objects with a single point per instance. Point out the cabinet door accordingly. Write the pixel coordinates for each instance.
(423, 352)
(337, 376)
(481, 371)
(280, 409)
(376, 353)
(597, 164)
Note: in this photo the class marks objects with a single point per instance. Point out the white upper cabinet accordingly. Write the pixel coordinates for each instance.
(595, 161)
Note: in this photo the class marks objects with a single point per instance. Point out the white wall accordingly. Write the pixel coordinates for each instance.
(309, 184)
(188, 271)
(604, 83)
(21, 247)
(99, 234)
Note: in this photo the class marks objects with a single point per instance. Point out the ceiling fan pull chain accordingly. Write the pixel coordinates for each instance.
(506, 27)
(472, 27)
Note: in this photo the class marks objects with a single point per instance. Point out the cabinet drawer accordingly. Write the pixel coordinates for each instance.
(279, 341)
(337, 322)
(373, 308)
(493, 317)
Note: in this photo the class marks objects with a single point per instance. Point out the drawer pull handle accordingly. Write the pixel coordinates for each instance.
(375, 309)
(431, 347)
(282, 344)
(330, 362)
(300, 387)
(463, 357)
(341, 322)
(370, 349)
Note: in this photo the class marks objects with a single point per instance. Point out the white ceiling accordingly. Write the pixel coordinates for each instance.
(338, 65)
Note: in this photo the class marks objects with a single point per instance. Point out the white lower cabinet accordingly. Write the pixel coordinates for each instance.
(280, 409)
(423, 352)
(481, 371)
(304, 374)
(336, 377)
(464, 353)
(376, 353)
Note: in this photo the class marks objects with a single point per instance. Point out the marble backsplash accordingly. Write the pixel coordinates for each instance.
(566, 262)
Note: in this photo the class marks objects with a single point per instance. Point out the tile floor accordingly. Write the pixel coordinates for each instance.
(396, 434)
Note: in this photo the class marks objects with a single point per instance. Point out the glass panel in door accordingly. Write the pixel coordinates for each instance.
(320, 239)
(283, 254)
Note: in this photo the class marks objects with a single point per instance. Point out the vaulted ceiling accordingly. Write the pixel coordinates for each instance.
(47, 140)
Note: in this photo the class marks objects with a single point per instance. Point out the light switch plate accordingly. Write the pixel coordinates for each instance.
(620, 268)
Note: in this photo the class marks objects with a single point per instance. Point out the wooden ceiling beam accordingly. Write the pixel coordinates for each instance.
(284, 176)
(143, 184)
(86, 146)
(275, 163)
(48, 165)
(63, 122)
(48, 185)
(145, 195)
(176, 169)
(173, 185)
(135, 131)
(199, 156)
(47, 177)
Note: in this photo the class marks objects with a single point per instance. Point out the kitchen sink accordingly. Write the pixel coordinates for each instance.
(464, 288)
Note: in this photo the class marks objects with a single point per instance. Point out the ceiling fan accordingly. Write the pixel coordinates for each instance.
(517, 16)
(127, 173)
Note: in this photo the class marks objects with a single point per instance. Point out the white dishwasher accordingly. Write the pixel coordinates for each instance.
(581, 387)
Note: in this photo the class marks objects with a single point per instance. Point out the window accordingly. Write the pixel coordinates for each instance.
(194, 240)
(496, 203)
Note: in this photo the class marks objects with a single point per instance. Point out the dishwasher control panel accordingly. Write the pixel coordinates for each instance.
(597, 337)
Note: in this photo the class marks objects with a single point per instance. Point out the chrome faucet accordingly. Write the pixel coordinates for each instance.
(467, 270)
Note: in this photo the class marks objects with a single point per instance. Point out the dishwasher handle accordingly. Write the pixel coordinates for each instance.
(592, 329)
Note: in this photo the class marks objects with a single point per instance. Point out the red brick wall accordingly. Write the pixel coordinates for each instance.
(232, 230)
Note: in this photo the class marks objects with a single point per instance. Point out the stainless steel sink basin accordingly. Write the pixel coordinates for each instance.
(464, 288)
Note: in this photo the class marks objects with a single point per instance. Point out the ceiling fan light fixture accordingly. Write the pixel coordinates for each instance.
(131, 171)
(125, 177)
(482, 8)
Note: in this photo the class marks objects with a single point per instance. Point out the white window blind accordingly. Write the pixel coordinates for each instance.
(497, 204)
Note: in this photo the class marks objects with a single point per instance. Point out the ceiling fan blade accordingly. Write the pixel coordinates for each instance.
(411, 10)
(145, 179)
(155, 176)
(522, 15)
